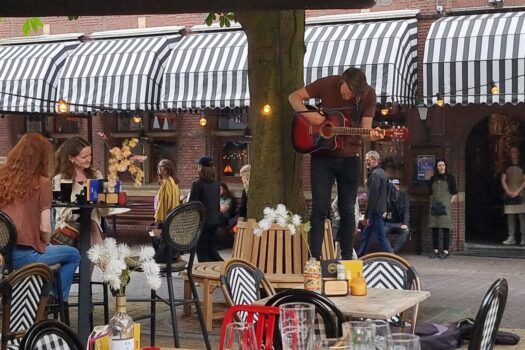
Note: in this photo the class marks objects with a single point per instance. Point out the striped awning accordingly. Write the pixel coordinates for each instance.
(28, 76)
(465, 55)
(386, 51)
(208, 70)
(121, 74)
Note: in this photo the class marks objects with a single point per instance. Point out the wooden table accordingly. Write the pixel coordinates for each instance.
(377, 304)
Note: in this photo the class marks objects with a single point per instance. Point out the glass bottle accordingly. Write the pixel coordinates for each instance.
(121, 327)
(312, 275)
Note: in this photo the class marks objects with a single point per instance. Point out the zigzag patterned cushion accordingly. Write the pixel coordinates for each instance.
(244, 288)
(489, 327)
(51, 342)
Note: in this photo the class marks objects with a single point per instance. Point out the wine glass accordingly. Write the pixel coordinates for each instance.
(296, 323)
(381, 331)
(333, 344)
(360, 334)
(239, 336)
(402, 341)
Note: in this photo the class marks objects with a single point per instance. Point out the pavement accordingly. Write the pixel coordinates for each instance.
(457, 287)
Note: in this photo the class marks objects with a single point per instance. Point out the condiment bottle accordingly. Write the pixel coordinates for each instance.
(341, 272)
(358, 285)
(312, 275)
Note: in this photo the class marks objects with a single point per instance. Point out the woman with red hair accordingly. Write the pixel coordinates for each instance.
(25, 196)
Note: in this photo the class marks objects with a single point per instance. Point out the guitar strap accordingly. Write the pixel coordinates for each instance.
(356, 113)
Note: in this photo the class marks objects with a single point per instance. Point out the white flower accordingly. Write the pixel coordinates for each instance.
(269, 214)
(258, 232)
(281, 220)
(281, 210)
(296, 220)
(265, 224)
(95, 253)
(146, 253)
(123, 251)
(150, 267)
(291, 228)
(153, 281)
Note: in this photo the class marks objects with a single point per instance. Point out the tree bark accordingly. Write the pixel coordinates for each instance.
(275, 69)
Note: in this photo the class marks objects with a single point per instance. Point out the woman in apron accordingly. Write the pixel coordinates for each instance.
(513, 183)
(442, 194)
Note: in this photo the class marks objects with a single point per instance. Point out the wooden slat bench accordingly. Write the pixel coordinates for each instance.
(280, 255)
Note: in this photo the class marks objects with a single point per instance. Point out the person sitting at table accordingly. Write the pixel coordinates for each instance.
(74, 162)
(25, 196)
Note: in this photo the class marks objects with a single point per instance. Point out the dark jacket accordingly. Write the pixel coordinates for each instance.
(451, 182)
(401, 209)
(243, 207)
(377, 192)
(208, 194)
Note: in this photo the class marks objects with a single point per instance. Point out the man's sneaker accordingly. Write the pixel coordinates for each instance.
(443, 255)
(433, 255)
(509, 241)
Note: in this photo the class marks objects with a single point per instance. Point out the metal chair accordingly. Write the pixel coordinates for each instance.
(25, 293)
(241, 283)
(181, 231)
(329, 318)
(390, 271)
(483, 336)
(264, 318)
(50, 334)
(7, 241)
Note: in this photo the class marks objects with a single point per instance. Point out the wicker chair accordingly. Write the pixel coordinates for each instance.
(487, 321)
(50, 334)
(241, 283)
(25, 293)
(181, 231)
(7, 241)
(390, 271)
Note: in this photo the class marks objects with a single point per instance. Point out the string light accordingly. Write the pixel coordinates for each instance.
(267, 110)
(63, 106)
(440, 102)
(494, 89)
(203, 121)
(137, 119)
(384, 110)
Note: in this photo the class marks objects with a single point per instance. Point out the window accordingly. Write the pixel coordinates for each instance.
(234, 156)
(237, 120)
(66, 125)
(162, 122)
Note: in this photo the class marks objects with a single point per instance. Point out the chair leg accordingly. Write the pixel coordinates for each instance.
(60, 300)
(200, 316)
(153, 311)
(106, 302)
(173, 310)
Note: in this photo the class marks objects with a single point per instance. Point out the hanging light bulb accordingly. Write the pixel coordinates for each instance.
(203, 121)
(137, 119)
(267, 110)
(494, 89)
(384, 110)
(62, 106)
(440, 102)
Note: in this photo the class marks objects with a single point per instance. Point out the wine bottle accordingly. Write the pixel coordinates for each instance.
(120, 327)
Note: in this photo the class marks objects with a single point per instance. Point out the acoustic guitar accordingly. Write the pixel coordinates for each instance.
(307, 138)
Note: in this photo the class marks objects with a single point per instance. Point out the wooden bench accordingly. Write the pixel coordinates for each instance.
(280, 255)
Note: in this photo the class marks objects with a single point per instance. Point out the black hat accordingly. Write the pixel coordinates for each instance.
(205, 161)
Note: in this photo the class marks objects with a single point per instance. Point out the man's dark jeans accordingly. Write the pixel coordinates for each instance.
(376, 226)
(324, 169)
(391, 227)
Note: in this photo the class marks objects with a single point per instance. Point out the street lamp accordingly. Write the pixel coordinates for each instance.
(422, 109)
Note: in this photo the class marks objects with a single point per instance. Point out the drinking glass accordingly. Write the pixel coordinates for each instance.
(296, 323)
(381, 331)
(239, 336)
(66, 187)
(333, 344)
(402, 341)
(360, 334)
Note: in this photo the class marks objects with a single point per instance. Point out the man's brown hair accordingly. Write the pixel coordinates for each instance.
(355, 78)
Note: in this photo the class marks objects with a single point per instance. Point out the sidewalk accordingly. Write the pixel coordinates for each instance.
(457, 285)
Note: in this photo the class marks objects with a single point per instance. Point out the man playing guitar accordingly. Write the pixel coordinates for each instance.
(351, 93)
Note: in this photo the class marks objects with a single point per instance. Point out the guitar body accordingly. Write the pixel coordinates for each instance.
(307, 138)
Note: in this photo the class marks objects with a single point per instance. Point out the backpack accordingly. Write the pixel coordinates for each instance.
(391, 197)
(434, 336)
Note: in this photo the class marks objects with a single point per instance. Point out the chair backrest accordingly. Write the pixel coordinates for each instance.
(183, 226)
(24, 297)
(264, 318)
(241, 283)
(7, 241)
(277, 251)
(329, 318)
(50, 334)
(390, 271)
(489, 316)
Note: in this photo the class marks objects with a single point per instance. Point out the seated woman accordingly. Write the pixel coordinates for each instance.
(25, 195)
(73, 162)
(227, 203)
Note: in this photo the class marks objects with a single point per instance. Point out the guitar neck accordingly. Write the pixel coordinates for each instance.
(340, 130)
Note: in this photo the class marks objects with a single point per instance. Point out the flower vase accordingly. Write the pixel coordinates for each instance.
(121, 327)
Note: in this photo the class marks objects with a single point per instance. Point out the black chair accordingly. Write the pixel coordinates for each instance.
(332, 318)
(181, 231)
(7, 241)
(50, 334)
(25, 293)
(483, 336)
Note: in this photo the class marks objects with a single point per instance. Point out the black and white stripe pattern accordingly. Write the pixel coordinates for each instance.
(24, 304)
(51, 342)
(243, 287)
(123, 74)
(386, 51)
(28, 76)
(489, 327)
(208, 70)
(464, 55)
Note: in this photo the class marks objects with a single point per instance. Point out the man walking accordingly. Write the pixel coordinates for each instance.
(376, 205)
(398, 217)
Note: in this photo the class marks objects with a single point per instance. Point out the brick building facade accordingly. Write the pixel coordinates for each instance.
(456, 133)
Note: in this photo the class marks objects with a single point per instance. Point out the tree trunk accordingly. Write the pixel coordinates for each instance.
(275, 66)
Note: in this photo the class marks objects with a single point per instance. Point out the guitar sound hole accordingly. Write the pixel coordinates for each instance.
(326, 131)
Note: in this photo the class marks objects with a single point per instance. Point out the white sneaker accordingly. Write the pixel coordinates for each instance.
(509, 241)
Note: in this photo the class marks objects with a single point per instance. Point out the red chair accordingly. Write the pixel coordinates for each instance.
(263, 316)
